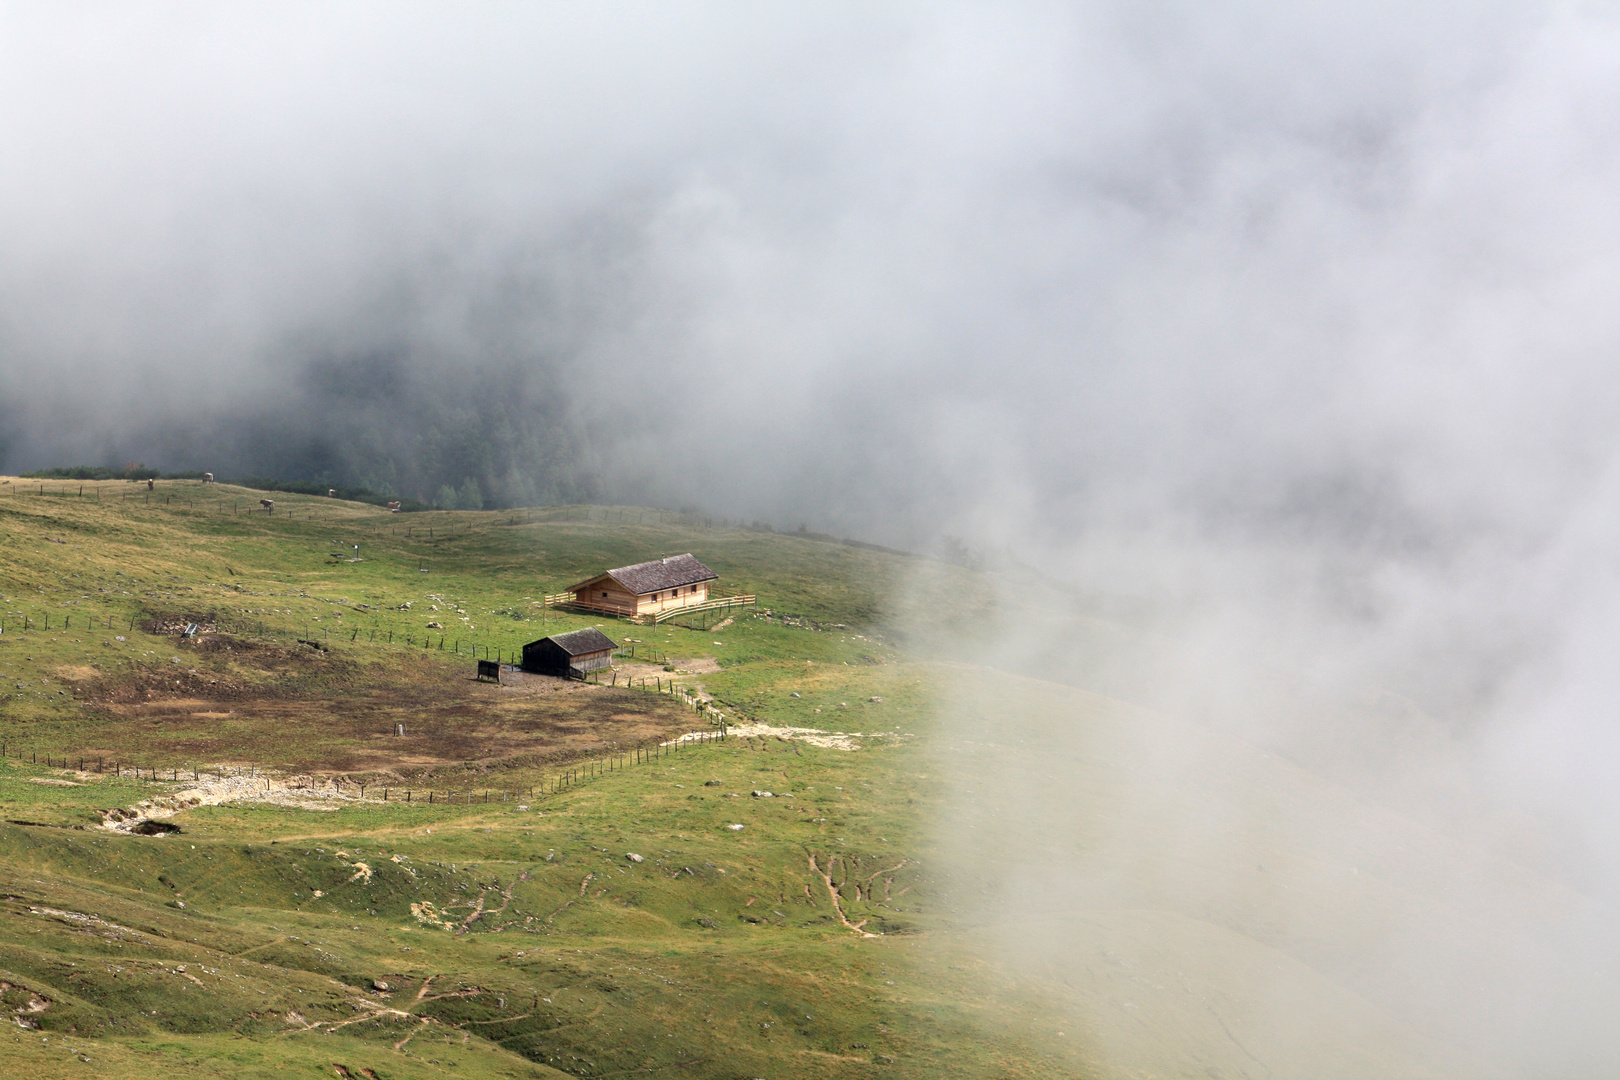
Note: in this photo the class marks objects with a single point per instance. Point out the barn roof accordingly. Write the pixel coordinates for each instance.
(579, 642)
(659, 574)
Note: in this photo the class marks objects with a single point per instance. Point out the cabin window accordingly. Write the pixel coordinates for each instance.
(604, 596)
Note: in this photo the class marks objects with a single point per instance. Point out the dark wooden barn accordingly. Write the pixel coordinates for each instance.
(571, 654)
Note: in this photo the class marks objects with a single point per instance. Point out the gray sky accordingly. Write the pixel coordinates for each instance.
(1091, 255)
(1298, 318)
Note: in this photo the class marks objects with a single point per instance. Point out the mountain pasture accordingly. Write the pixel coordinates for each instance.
(871, 875)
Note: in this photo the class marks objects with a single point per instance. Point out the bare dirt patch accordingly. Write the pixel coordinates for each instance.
(253, 702)
(206, 622)
(835, 740)
(634, 671)
(305, 792)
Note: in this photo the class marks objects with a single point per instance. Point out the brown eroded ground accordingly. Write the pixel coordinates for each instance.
(237, 701)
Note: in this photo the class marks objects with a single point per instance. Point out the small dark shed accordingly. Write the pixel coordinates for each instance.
(573, 653)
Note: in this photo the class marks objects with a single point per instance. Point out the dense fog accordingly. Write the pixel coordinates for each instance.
(1279, 335)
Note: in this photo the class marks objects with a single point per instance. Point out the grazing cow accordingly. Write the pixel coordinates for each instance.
(268, 504)
(393, 508)
(208, 478)
(331, 493)
(150, 484)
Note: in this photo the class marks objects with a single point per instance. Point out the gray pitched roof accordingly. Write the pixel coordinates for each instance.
(660, 574)
(579, 642)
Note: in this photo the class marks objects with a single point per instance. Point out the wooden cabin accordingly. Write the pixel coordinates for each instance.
(569, 655)
(647, 588)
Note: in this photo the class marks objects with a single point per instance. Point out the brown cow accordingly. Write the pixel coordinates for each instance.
(268, 504)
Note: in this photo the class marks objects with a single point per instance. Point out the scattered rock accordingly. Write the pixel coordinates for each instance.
(633, 857)
(380, 986)
(711, 783)
(22, 1014)
(875, 700)
(763, 795)
(735, 828)
(435, 626)
(795, 694)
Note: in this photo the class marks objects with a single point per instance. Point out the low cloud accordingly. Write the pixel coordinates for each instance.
(1277, 340)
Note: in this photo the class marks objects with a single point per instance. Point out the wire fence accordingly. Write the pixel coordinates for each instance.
(558, 782)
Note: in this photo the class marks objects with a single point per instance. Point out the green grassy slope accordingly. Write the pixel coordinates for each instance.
(722, 953)
(86, 574)
(882, 913)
